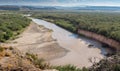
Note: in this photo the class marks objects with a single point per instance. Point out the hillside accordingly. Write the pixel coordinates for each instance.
(25, 8)
(74, 9)
(12, 59)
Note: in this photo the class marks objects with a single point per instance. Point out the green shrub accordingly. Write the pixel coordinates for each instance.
(117, 67)
(11, 48)
(1, 49)
(69, 68)
(40, 63)
(32, 56)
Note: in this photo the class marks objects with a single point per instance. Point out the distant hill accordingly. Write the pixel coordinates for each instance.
(102, 8)
(12, 7)
(91, 8)
(85, 8)
(38, 7)
(6, 7)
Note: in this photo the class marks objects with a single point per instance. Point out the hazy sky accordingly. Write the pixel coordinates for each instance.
(62, 2)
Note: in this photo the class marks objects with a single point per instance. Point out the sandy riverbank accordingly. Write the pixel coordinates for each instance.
(67, 49)
(37, 40)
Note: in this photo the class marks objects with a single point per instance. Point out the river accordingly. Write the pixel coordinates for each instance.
(80, 53)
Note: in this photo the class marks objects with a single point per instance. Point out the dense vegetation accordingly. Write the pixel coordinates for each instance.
(11, 25)
(107, 24)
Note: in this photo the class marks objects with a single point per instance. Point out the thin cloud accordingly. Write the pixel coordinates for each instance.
(61, 2)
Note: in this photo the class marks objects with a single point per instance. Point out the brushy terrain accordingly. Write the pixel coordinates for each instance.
(11, 25)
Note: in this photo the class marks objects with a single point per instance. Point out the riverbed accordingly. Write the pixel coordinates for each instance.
(82, 51)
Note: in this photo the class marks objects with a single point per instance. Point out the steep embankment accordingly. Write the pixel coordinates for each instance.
(103, 39)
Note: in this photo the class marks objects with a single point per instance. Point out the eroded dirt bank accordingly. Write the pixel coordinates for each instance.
(114, 44)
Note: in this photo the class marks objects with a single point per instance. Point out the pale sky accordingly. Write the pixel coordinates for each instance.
(62, 2)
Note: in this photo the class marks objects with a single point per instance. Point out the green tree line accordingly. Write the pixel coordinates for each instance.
(11, 25)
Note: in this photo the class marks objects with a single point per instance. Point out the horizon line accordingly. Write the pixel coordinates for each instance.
(60, 5)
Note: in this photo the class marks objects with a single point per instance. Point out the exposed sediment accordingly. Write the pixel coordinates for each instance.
(37, 39)
(114, 44)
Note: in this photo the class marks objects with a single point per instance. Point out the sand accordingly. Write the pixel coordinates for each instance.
(38, 40)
